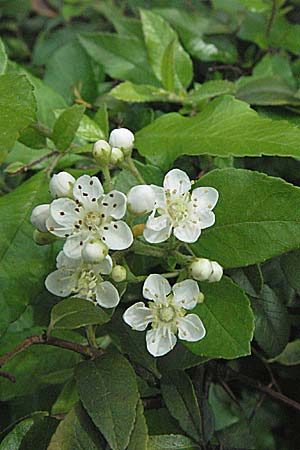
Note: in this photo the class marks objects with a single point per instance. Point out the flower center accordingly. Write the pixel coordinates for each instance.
(92, 220)
(87, 283)
(178, 208)
(166, 313)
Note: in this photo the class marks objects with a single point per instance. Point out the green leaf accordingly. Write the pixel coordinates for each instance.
(89, 130)
(24, 264)
(171, 442)
(14, 439)
(101, 119)
(250, 279)
(272, 327)
(74, 313)
(72, 74)
(3, 58)
(257, 217)
(139, 436)
(66, 126)
(208, 90)
(18, 109)
(225, 127)
(124, 180)
(112, 398)
(290, 355)
(170, 63)
(180, 398)
(67, 398)
(290, 264)
(138, 93)
(77, 432)
(123, 57)
(236, 435)
(180, 358)
(228, 320)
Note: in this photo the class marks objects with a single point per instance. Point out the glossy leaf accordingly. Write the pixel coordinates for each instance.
(66, 126)
(139, 436)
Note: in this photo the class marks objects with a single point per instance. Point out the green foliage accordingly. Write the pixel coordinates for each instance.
(66, 125)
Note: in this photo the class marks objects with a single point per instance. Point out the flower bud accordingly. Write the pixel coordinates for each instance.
(201, 269)
(138, 229)
(217, 272)
(94, 252)
(102, 152)
(121, 138)
(119, 273)
(116, 156)
(140, 199)
(61, 185)
(39, 216)
(42, 238)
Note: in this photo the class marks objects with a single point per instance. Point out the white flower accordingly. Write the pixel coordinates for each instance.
(90, 217)
(102, 152)
(61, 185)
(119, 273)
(79, 279)
(203, 269)
(141, 199)
(121, 138)
(94, 252)
(39, 217)
(178, 210)
(166, 313)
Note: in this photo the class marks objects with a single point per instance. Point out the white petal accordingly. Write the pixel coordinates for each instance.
(60, 283)
(39, 217)
(157, 223)
(217, 272)
(187, 231)
(191, 328)
(64, 262)
(121, 138)
(205, 197)
(87, 190)
(155, 237)
(65, 212)
(114, 204)
(156, 288)
(186, 294)
(57, 229)
(74, 244)
(141, 199)
(160, 341)
(105, 267)
(138, 316)
(206, 219)
(116, 235)
(160, 197)
(107, 295)
(177, 182)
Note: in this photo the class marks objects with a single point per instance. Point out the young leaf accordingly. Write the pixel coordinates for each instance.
(171, 442)
(30, 262)
(179, 396)
(208, 90)
(139, 436)
(272, 327)
(228, 320)
(112, 398)
(225, 127)
(290, 355)
(18, 109)
(66, 125)
(257, 217)
(101, 119)
(138, 93)
(76, 432)
(74, 313)
(164, 48)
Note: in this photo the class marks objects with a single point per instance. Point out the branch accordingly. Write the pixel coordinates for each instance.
(48, 340)
(34, 163)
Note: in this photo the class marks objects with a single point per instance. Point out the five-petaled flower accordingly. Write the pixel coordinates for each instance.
(166, 312)
(175, 208)
(79, 279)
(90, 216)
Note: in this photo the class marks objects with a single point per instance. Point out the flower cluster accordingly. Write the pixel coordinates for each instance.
(93, 223)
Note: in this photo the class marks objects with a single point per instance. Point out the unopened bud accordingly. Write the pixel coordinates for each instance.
(61, 185)
(102, 152)
(140, 199)
(201, 297)
(119, 273)
(121, 138)
(94, 252)
(217, 272)
(138, 229)
(201, 269)
(116, 156)
(39, 216)
(42, 238)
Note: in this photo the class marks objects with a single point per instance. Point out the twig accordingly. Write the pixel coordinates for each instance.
(34, 163)
(7, 375)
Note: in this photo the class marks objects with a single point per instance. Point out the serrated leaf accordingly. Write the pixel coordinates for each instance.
(123, 57)
(171, 442)
(24, 264)
(228, 320)
(89, 130)
(226, 127)
(77, 432)
(112, 398)
(74, 313)
(67, 398)
(66, 126)
(210, 89)
(257, 217)
(138, 93)
(272, 327)
(170, 63)
(18, 109)
(180, 398)
(139, 436)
